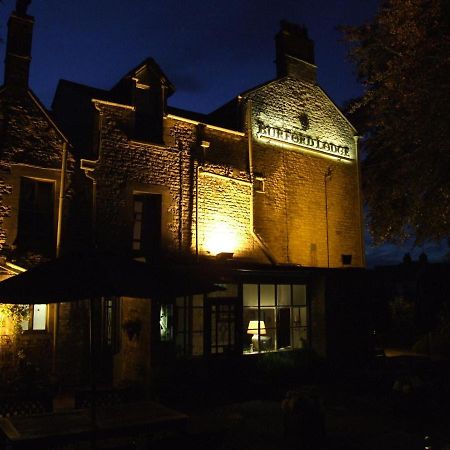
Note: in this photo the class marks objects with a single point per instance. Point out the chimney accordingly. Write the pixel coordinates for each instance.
(18, 46)
(295, 52)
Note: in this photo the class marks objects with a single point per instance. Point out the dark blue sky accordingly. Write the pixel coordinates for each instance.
(211, 50)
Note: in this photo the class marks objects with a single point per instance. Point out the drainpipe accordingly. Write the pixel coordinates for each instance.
(250, 142)
(197, 170)
(265, 249)
(326, 178)
(88, 167)
(360, 203)
(62, 188)
(204, 145)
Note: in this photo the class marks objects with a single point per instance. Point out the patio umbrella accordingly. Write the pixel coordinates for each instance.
(97, 274)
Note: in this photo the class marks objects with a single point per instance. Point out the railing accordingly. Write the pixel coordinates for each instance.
(105, 397)
(13, 405)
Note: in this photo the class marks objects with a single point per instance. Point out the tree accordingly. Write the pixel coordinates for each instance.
(403, 60)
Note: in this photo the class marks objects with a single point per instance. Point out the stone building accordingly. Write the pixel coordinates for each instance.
(35, 174)
(262, 194)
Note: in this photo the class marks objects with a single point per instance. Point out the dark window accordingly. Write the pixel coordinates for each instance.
(223, 326)
(111, 315)
(189, 325)
(148, 114)
(258, 184)
(147, 226)
(36, 216)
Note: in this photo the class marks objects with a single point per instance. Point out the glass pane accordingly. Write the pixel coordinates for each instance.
(197, 344)
(249, 315)
(39, 317)
(197, 300)
(299, 294)
(250, 294)
(284, 294)
(179, 301)
(165, 322)
(304, 315)
(296, 319)
(181, 319)
(283, 328)
(137, 230)
(138, 206)
(267, 315)
(180, 344)
(197, 319)
(24, 325)
(267, 293)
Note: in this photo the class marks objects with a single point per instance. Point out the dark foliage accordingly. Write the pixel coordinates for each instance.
(403, 60)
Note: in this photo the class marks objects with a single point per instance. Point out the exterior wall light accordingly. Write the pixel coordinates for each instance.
(224, 256)
(221, 237)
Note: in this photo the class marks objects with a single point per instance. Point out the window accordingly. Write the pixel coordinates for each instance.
(166, 323)
(147, 226)
(275, 317)
(189, 331)
(110, 323)
(258, 184)
(36, 216)
(37, 319)
(221, 322)
(206, 324)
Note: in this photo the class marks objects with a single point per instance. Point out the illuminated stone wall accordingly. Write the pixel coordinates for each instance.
(127, 166)
(224, 215)
(29, 140)
(302, 217)
(132, 363)
(31, 146)
(224, 190)
(291, 215)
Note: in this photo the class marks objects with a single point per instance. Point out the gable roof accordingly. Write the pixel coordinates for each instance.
(229, 114)
(153, 67)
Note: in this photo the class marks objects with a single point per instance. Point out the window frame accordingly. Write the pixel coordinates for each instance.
(30, 320)
(26, 235)
(298, 323)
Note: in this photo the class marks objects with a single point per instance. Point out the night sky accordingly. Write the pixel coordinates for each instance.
(210, 50)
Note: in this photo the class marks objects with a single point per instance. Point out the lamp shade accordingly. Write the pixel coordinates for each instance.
(256, 327)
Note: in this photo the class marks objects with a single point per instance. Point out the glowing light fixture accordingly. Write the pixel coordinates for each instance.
(222, 237)
(257, 328)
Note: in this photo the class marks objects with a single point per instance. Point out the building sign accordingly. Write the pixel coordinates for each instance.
(297, 137)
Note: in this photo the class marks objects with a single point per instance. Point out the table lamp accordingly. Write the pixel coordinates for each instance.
(256, 328)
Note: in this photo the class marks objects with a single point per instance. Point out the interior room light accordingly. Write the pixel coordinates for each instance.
(257, 328)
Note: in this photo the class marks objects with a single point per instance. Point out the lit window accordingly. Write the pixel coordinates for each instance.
(166, 322)
(275, 317)
(37, 319)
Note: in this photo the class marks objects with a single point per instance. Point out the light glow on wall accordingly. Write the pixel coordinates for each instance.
(221, 237)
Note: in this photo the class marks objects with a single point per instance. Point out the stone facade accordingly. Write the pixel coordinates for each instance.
(32, 148)
(310, 211)
(265, 190)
